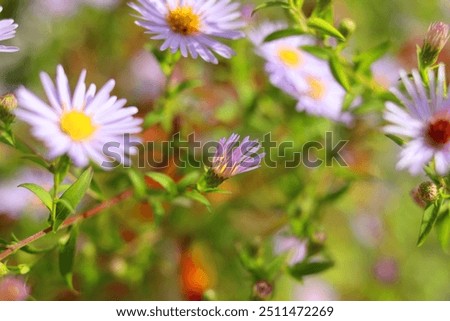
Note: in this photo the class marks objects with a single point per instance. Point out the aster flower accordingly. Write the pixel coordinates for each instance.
(425, 122)
(284, 56)
(318, 93)
(232, 158)
(191, 26)
(7, 31)
(80, 124)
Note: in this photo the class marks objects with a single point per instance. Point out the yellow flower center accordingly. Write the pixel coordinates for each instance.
(316, 88)
(290, 57)
(77, 125)
(183, 20)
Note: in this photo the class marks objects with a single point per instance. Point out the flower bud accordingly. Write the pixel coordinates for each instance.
(3, 269)
(262, 290)
(8, 103)
(435, 40)
(428, 192)
(347, 27)
(417, 198)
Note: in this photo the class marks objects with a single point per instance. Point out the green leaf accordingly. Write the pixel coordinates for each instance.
(138, 182)
(165, 181)
(189, 179)
(158, 210)
(319, 52)
(443, 230)
(185, 85)
(333, 196)
(325, 28)
(269, 4)
(364, 60)
(302, 269)
(339, 73)
(283, 34)
(429, 218)
(396, 139)
(72, 197)
(37, 160)
(67, 257)
(41, 193)
(196, 196)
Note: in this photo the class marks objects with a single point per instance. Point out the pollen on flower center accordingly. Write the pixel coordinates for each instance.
(316, 88)
(290, 57)
(183, 20)
(77, 125)
(438, 131)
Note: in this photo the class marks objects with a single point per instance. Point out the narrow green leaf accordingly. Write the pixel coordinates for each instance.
(283, 34)
(429, 218)
(196, 196)
(138, 182)
(67, 257)
(269, 4)
(302, 269)
(41, 193)
(37, 160)
(333, 196)
(443, 230)
(339, 73)
(158, 210)
(319, 52)
(396, 139)
(364, 60)
(72, 196)
(189, 179)
(165, 181)
(325, 28)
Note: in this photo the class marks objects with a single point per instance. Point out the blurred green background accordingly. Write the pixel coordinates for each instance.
(371, 231)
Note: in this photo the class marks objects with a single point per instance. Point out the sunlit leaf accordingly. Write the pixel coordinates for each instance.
(41, 193)
(325, 28)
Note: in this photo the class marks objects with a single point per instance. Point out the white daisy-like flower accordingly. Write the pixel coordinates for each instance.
(82, 124)
(7, 31)
(283, 56)
(191, 26)
(319, 93)
(426, 122)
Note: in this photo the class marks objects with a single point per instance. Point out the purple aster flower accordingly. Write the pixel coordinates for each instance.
(13, 289)
(232, 158)
(191, 26)
(7, 31)
(426, 122)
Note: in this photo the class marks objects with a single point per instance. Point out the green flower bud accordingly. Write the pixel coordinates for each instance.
(347, 27)
(8, 103)
(3, 269)
(435, 40)
(428, 192)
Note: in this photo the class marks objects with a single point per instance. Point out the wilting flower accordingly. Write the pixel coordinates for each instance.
(79, 125)
(190, 26)
(7, 31)
(13, 289)
(426, 122)
(232, 158)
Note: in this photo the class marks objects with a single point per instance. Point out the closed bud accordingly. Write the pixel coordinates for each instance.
(435, 40)
(417, 198)
(262, 290)
(347, 27)
(428, 192)
(8, 103)
(3, 269)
